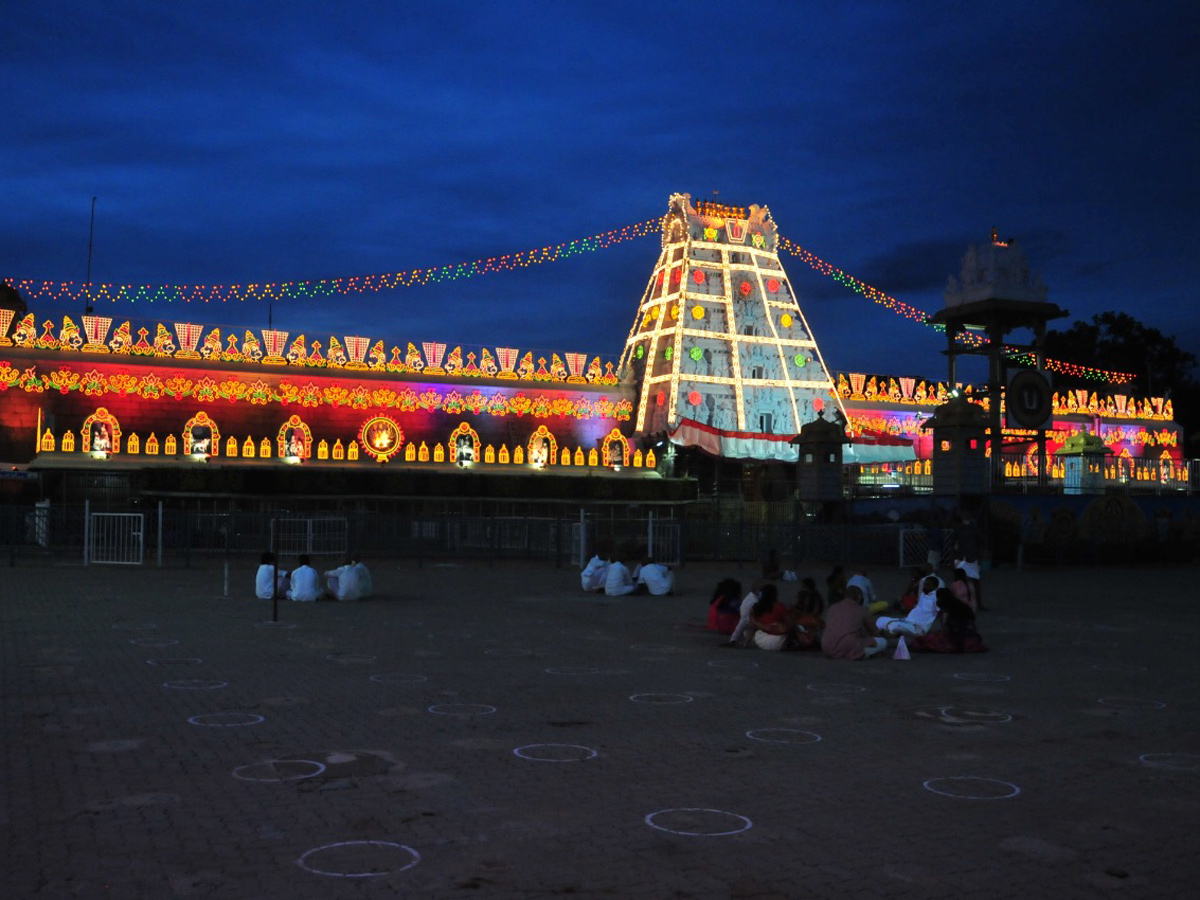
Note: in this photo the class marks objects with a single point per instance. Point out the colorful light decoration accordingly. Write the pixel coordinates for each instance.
(72, 291)
(381, 438)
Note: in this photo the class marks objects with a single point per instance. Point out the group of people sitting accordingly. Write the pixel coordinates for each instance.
(349, 581)
(630, 572)
(850, 621)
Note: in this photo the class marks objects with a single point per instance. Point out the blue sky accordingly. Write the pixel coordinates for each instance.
(269, 141)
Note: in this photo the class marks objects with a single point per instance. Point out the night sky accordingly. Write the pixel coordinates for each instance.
(270, 141)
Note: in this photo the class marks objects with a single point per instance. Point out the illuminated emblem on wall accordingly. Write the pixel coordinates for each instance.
(543, 448)
(294, 439)
(201, 435)
(735, 231)
(6, 317)
(189, 337)
(434, 352)
(101, 433)
(381, 438)
(276, 344)
(464, 445)
(615, 449)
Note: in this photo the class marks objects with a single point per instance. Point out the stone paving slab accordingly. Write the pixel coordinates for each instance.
(494, 732)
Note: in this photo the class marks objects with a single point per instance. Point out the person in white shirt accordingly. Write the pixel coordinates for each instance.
(618, 582)
(366, 586)
(658, 579)
(595, 574)
(863, 583)
(343, 584)
(269, 578)
(744, 623)
(920, 618)
(306, 587)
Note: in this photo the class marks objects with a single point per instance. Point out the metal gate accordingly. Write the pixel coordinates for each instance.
(317, 537)
(115, 538)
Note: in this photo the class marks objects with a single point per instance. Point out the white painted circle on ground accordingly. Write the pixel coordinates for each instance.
(227, 719)
(153, 642)
(1124, 668)
(661, 698)
(989, 677)
(555, 752)
(974, 716)
(972, 787)
(1185, 762)
(572, 670)
(195, 684)
(275, 770)
(508, 651)
(1131, 703)
(179, 661)
(360, 859)
(733, 664)
(698, 822)
(351, 657)
(783, 736)
(398, 678)
(836, 688)
(461, 709)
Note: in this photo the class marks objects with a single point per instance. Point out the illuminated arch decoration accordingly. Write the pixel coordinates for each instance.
(381, 438)
(615, 449)
(201, 435)
(294, 439)
(101, 432)
(464, 445)
(542, 448)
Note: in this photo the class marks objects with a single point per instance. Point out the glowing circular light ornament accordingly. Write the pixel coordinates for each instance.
(696, 354)
(668, 353)
(653, 314)
(698, 276)
(675, 311)
(801, 360)
(660, 399)
(639, 351)
(745, 287)
(786, 320)
(697, 313)
(694, 398)
(818, 404)
(772, 284)
(676, 276)
(381, 438)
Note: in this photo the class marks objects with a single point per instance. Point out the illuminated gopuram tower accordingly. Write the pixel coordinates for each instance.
(720, 349)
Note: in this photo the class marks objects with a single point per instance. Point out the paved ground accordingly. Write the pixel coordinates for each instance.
(482, 732)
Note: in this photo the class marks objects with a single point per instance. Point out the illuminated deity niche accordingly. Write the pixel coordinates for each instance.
(295, 439)
(201, 435)
(381, 438)
(615, 449)
(101, 432)
(264, 448)
(231, 446)
(464, 445)
(543, 448)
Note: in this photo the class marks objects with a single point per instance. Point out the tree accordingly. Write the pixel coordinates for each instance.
(1117, 341)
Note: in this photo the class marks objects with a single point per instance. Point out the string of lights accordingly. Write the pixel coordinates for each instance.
(78, 291)
(91, 293)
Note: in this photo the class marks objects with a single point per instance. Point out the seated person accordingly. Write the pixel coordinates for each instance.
(366, 586)
(809, 607)
(657, 578)
(860, 580)
(958, 633)
(909, 598)
(270, 578)
(835, 581)
(305, 585)
(920, 619)
(849, 632)
(617, 581)
(744, 626)
(724, 609)
(964, 589)
(773, 625)
(595, 573)
(343, 582)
